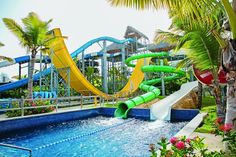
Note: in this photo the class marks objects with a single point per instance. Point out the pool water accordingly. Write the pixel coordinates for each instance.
(92, 137)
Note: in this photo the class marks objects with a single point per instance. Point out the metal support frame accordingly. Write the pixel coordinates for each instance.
(40, 72)
(104, 68)
(162, 79)
(58, 84)
(113, 76)
(20, 71)
(123, 69)
(83, 70)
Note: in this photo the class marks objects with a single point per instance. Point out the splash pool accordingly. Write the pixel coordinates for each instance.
(92, 137)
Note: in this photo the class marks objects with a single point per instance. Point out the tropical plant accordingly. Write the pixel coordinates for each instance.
(4, 57)
(33, 36)
(116, 79)
(181, 147)
(93, 76)
(31, 107)
(228, 135)
(200, 11)
(1, 44)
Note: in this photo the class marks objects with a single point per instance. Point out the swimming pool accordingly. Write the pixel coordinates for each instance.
(92, 137)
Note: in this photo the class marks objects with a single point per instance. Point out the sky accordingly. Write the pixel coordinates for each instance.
(79, 20)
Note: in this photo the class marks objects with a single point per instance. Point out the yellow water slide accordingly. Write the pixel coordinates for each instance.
(62, 60)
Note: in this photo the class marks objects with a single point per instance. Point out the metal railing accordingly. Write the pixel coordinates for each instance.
(17, 147)
(60, 102)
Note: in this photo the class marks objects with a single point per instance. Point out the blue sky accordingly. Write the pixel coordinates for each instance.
(80, 20)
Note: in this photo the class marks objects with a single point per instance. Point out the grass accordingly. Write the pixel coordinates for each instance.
(209, 106)
(161, 97)
(110, 105)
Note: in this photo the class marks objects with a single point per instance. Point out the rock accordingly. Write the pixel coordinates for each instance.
(188, 102)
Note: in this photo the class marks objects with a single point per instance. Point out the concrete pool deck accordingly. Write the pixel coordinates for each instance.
(213, 143)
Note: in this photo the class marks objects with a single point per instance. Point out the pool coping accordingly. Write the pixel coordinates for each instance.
(188, 129)
(38, 120)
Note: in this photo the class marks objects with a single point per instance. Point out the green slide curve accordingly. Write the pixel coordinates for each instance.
(152, 91)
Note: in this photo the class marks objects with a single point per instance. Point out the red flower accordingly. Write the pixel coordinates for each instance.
(226, 128)
(173, 140)
(188, 140)
(33, 104)
(180, 145)
(43, 111)
(219, 120)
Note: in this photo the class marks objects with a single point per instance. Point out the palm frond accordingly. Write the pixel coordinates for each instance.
(184, 63)
(6, 58)
(191, 9)
(202, 48)
(1, 44)
(16, 29)
(162, 36)
(36, 28)
(138, 4)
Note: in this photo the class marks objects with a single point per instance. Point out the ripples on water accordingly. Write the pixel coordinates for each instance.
(130, 139)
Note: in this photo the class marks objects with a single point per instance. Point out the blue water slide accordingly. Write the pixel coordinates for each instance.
(22, 82)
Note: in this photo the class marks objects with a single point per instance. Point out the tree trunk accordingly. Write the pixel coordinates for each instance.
(219, 103)
(231, 101)
(199, 95)
(30, 77)
(231, 87)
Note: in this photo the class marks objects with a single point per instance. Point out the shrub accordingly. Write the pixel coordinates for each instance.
(183, 147)
(228, 135)
(186, 147)
(33, 110)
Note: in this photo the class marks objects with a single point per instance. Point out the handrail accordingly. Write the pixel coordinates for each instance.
(57, 102)
(17, 147)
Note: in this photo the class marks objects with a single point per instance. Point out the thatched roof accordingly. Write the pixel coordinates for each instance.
(163, 46)
(132, 33)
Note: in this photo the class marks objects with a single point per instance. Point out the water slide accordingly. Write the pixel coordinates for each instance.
(62, 59)
(161, 109)
(147, 86)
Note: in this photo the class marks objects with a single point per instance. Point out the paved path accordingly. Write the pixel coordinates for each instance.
(214, 143)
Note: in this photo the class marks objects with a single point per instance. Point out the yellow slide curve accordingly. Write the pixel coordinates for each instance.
(62, 59)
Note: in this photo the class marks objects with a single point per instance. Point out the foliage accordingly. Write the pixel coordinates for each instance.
(174, 85)
(208, 106)
(119, 78)
(1, 44)
(14, 93)
(192, 9)
(183, 147)
(229, 135)
(33, 36)
(93, 76)
(44, 109)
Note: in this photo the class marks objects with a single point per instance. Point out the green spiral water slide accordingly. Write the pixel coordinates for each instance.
(152, 91)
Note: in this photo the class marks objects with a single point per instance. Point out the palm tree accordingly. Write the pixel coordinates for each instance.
(195, 10)
(231, 83)
(33, 36)
(4, 57)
